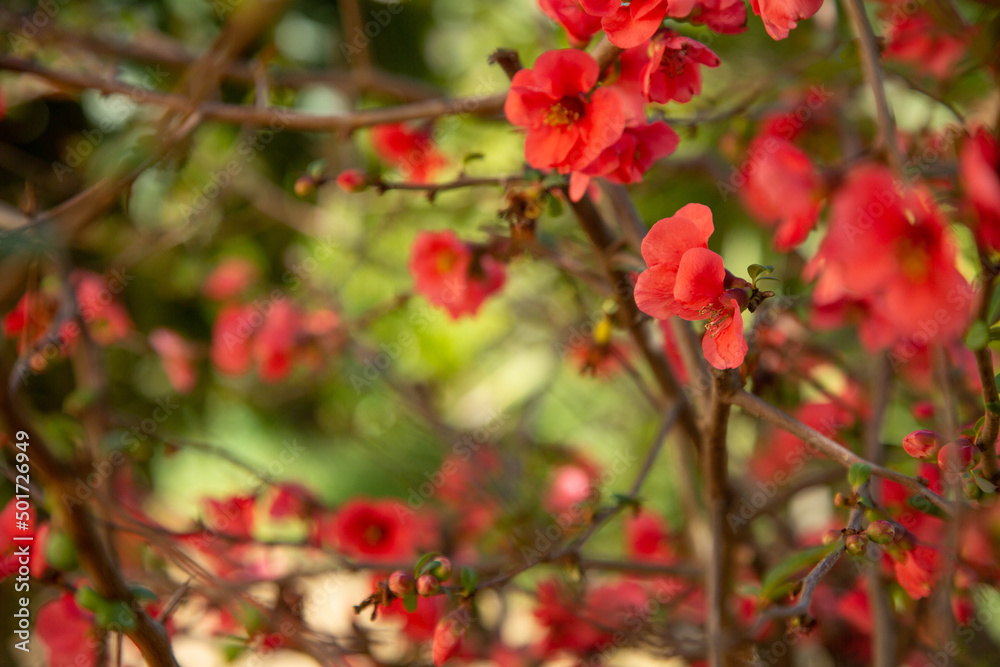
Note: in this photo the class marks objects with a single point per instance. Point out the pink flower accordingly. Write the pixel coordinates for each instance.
(568, 126)
(176, 356)
(578, 24)
(780, 16)
(673, 72)
(922, 42)
(450, 274)
(409, 149)
(782, 189)
(923, 444)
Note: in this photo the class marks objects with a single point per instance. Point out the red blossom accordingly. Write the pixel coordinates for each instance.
(688, 280)
(674, 69)
(780, 16)
(176, 356)
(578, 24)
(447, 639)
(979, 170)
(371, 529)
(631, 24)
(918, 570)
(568, 126)
(409, 149)
(352, 180)
(448, 273)
(629, 159)
(921, 41)
(782, 189)
(66, 633)
(231, 340)
(230, 278)
(233, 516)
(106, 320)
(888, 248)
(723, 16)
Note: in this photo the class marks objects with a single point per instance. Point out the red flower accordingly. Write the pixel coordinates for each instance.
(370, 529)
(233, 516)
(567, 125)
(65, 631)
(29, 322)
(107, 322)
(782, 188)
(449, 274)
(276, 343)
(687, 279)
(176, 356)
(673, 71)
(230, 278)
(578, 24)
(629, 159)
(231, 340)
(411, 150)
(571, 486)
(723, 16)
(632, 24)
(646, 537)
(979, 164)
(919, 40)
(888, 246)
(780, 16)
(918, 570)
(447, 639)
(352, 180)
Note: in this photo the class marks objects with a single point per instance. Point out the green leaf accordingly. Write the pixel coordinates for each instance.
(755, 270)
(793, 565)
(143, 593)
(858, 474)
(410, 602)
(994, 307)
(985, 485)
(994, 407)
(978, 335)
(995, 333)
(762, 278)
(424, 561)
(472, 157)
(555, 207)
(470, 579)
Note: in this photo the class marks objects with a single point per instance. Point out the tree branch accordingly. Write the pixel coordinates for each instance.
(842, 455)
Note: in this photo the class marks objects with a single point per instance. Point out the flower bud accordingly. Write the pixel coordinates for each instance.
(305, 185)
(923, 444)
(401, 583)
(831, 536)
(957, 456)
(428, 585)
(447, 640)
(839, 500)
(441, 569)
(352, 180)
(856, 544)
(881, 532)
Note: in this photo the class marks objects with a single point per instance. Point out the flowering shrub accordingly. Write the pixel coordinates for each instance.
(573, 332)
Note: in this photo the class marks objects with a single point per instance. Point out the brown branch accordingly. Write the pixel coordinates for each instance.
(986, 441)
(872, 65)
(60, 479)
(760, 408)
(480, 105)
(715, 461)
(811, 581)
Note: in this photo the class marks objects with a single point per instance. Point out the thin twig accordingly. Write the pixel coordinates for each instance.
(842, 455)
